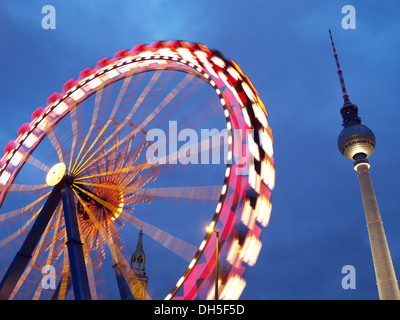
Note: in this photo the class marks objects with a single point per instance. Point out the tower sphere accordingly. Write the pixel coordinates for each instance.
(356, 138)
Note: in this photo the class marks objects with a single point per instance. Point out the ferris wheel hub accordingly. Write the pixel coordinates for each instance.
(56, 174)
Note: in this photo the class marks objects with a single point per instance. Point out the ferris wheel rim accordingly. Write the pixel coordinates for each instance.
(200, 62)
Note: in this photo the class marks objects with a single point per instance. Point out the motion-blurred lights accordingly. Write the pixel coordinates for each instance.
(43, 123)
(178, 284)
(246, 117)
(211, 291)
(233, 252)
(110, 75)
(260, 115)
(209, 229)
(202, 245)
(219, 205)
(229, 156)
(187, 55)
(94, 83)
(168, 297)
(77, 94)
(219, 62)
(234, 73)
(268, 174)
(120, 207)
(61, 108)
(251, 249)
(233, 288)
(266, 142)
(263, 211)
(247, 217)
(249, 92)
(4, 177)
(254, 178)
(16, 159)
(253, 147)
(192, 263)
(224, 187)
(30, 140)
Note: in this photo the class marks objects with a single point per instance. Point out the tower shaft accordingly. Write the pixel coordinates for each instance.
(388, 288)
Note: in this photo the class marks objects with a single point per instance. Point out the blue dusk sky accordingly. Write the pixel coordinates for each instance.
(317, 224)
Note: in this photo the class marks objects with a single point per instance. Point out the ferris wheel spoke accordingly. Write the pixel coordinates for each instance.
(65, 281)
(121, 161)
(121, 94)
(14, 213)
(99, 185)
(55, 238)
(194, 192)
(37, 163)
(114, 159)
(136, 181)
(201, 146)
(96, 224)
(25, 187)
(136, 167)
(127, 191)
(194, 149)
(92, 125)
(134, 201)
(105, 204)
(176, 245)
(139, 101)
(174, 92)
(74, 125)
(131, 193)
(14, 235)
(182, 99)
(56, 144)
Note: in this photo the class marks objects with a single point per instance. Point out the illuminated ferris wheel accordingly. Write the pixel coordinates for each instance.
(166, 138)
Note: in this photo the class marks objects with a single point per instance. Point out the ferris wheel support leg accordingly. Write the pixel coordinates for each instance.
(124, 291)
(80, 282)
(24, 255)
(56, 294)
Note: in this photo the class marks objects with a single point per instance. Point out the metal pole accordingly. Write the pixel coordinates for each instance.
(216, 265)
(388, 288)
(80, 282)
(24, 255)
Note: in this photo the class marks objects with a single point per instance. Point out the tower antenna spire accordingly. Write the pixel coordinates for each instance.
(339, 71)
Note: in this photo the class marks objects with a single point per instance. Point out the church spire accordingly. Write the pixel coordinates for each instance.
(138, 260)
(139, 279)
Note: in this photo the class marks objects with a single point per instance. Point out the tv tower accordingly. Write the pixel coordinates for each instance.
(356, 142)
